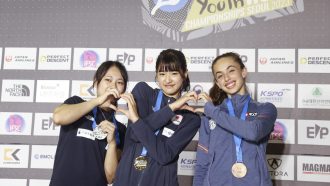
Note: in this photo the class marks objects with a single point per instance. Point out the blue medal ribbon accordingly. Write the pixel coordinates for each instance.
(114, 122)
(237, 139)
(156, 108)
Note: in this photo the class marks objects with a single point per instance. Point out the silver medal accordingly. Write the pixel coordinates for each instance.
(99, 134)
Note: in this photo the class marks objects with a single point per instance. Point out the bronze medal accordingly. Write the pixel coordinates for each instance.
(239, 170)
(140, 163)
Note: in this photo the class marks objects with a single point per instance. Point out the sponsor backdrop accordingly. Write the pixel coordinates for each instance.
(49, 50)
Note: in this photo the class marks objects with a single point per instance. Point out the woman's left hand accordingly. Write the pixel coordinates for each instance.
(131, 113)
(109, 128)
(181, 102)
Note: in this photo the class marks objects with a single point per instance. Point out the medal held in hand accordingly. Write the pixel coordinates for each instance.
(140, 163)
(98, 133)
(238, 170)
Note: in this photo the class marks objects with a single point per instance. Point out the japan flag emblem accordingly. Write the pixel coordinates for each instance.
(177, 119)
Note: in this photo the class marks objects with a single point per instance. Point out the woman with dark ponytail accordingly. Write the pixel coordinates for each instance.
(235, 130)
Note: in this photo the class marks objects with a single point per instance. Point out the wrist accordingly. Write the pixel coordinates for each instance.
(172, 107)
(112, 143)
(134, 119)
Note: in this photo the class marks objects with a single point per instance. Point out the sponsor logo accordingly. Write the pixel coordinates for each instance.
(15, 123)
(44, 125)
(315, 60)
(186, 163)
(18, 90)
(89, 58)
(217, 15)
(52, 90)
(44, 156)
(263, 60)
(317, 132)
(317, 93)
(11, 156)
(279, 133)
(275, 163)
(198, 89)
(281, 95)
(130, 57)
(8, 58)
(273, 95)
(54, 58)
(149, 60)
(311, 168)
(126, 58)
(48, 124)
(281, 167)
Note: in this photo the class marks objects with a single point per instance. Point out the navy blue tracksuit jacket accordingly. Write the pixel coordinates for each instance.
(163, 149)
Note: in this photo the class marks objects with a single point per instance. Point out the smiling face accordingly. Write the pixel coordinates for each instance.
(113, 80)
(170, 82)
(172, 73)
(229, 76)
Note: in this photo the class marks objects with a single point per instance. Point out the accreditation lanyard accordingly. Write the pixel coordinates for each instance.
(237, 139)
(156, 108)
(113, 120)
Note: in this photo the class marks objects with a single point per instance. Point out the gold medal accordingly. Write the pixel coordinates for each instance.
(140, 163)
(239, 170)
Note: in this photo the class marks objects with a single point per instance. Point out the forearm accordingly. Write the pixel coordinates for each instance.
(111, 162)
(66, 113)
(253, 130)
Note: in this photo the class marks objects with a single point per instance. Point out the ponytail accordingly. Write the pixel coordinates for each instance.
(217, 95)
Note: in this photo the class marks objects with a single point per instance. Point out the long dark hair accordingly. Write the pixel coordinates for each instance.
(174, 60)
(105, 66)
(218, 95)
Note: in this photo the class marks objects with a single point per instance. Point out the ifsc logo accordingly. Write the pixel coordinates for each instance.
(167, 5)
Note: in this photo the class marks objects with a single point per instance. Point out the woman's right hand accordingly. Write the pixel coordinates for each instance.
(205, 97)
(107, 94)
(181, 102)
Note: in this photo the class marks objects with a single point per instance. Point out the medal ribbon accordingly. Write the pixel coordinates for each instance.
(237, 139)
(156, 108)
(114, 122)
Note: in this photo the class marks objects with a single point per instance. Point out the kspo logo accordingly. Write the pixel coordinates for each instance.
(126, 58)
(317, 132)
(272, 93)
(186, 161)
(48, 124)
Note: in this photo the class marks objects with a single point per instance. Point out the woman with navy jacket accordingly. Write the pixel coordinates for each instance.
(91, 139)
(235, 130)
(162, 125)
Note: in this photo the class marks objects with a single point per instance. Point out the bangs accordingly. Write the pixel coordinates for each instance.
(168, 67)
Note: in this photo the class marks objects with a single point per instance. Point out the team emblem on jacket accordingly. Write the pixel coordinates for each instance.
(212, 124)
(252, 114)
(89, 117)
(177, 119)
